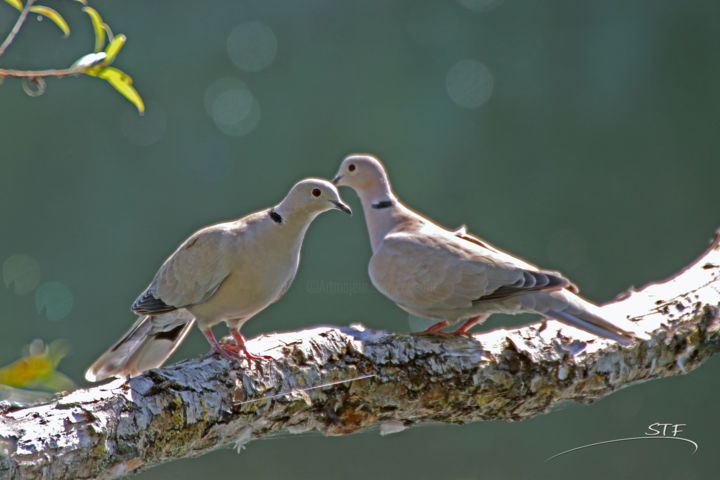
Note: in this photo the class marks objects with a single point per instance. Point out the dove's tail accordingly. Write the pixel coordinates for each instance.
(578, 312)
(150, 341)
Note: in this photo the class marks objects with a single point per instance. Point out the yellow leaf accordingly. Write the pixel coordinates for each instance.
(92, 71)
(23, 371)
(52, 15)
(34, 368)
(98, 27)
(15, 3)
(114, 47)
(113, 74)
(121, 82)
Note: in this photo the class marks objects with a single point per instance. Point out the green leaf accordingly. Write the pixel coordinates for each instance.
(114, 47)
(98, 27)
(52, 15)
(121, 82)
(15, 3)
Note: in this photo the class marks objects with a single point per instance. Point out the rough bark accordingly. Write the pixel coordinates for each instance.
(340, 380)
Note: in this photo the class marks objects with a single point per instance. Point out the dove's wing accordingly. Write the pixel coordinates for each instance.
(442, 271)
(193, 272)
(505, 257)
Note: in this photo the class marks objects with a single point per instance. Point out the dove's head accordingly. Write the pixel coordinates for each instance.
(364, 173)
(313, 196)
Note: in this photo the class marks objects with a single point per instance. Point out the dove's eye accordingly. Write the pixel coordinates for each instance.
(316, 192)
(351, 167)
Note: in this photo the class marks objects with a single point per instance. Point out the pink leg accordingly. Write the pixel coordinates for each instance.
(433, 329)
(217, 347)
(240, 339)
(467, 325)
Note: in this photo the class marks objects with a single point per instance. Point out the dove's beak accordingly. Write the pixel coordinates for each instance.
(336, 179)
(342, 206)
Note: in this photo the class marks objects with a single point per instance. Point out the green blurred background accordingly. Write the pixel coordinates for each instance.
(579, 135)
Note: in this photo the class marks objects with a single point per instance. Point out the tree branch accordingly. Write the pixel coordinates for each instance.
(340, 380)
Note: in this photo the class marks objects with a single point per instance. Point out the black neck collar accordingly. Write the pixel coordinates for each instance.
(275, 216)
(382, 204)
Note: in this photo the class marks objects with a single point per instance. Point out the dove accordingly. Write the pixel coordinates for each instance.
(451, 275)
(227, 272)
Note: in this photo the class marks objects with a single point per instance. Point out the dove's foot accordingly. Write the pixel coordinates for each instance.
(462, 330)
(223, 350)
(240, 339)
(240, 353)
(462, 333)
(227, 352)
(434, 329)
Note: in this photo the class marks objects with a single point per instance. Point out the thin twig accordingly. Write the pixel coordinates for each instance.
(58, 73)
(16, 27)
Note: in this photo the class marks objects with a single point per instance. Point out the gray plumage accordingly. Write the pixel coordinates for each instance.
(453, 276)
(148, 343)
(226, 272)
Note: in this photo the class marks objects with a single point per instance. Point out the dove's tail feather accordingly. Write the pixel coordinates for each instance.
(587, 316)
(150, 341)
(593, 326)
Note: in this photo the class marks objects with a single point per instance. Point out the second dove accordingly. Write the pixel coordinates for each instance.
(453, 276)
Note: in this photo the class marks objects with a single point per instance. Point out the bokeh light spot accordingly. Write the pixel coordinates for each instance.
(252, 46)
(469, 83)
(480, 6)
(232, 106)
(210, 159)
(21, 273)
(145, 130)
(53, 299)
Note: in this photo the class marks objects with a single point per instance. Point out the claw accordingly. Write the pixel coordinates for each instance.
(226, 352)
(240, 339)
(217, 348)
